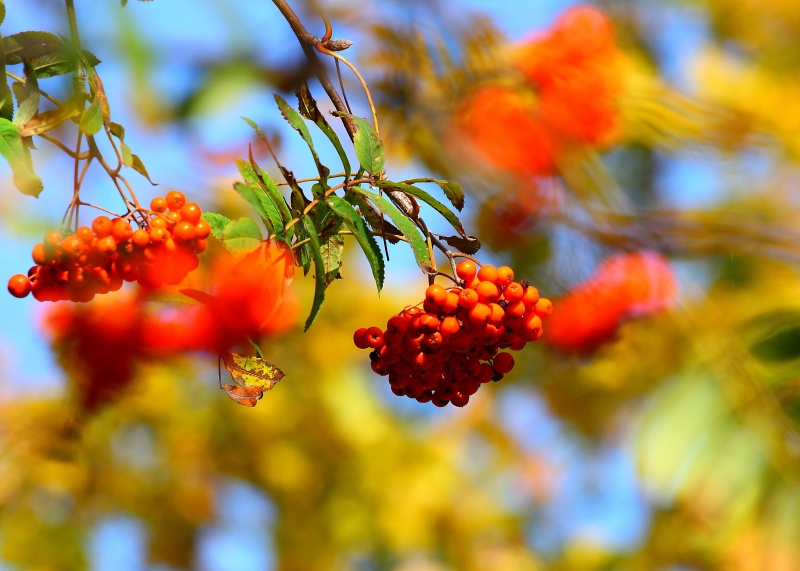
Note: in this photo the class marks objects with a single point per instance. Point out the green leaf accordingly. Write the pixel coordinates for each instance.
(297, 123)
(138, 166)
(19, 158)
(380, 226)
(783, 345)
(365, 239)
(319, 269)
(448, 214)
(92, 119)
(452, 190)
(31, 45)
(218, 223)
(241, 237)
(367, 143)
(99, 93)
(331, 250)
(47, 120)
(27, 97)
(417, 241)
(309, 110)
(263, 205)
(297, 193)
(117, 130)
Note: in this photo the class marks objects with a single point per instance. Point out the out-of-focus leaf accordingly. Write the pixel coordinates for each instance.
(218, 223)
(47, 120)
(30, 45)
(356, 225)
(138, 166)
(319, 269)
(117, 130)
(171, 296)
(241, 236)
(27, 97)
(19, 159)
(782, 345)
(99, 93)
(415, 238)
(92, 119)
(452, 190)
(368, 145)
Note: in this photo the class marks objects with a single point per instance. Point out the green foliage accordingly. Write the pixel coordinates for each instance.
(218, 223)
(320, 269)
(241, 236)
(18, 156)
(355, 224)
(416, 192)
(92, 120)
(368, 145)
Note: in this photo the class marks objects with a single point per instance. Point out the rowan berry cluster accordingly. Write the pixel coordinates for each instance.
(98, 259)
(443, 352)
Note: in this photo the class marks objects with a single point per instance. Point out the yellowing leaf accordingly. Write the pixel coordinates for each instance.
(251, 375)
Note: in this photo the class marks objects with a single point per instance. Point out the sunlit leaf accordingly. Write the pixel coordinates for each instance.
(27, 97)
(448, 214)
(368, 145)
(218, 223)
(452, 190)
(241, 236)
(415, 238)
(331, 250)
(309, 110)
(356, 225)
(92, 119)
(251, 375)
(263, 206)
(19, 159)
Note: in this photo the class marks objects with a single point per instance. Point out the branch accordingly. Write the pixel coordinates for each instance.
(308, 42)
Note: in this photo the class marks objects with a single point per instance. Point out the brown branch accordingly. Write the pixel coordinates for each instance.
(308, 42)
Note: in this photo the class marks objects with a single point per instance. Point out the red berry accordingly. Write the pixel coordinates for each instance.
(19, 285)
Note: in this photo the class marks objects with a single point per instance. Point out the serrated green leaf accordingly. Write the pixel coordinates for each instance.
(419, 246)
(92, 119)
(368, 145)
(19, 158)
(332, 248)
(319, 269)
(380, 226)
(452, 190)
(30, 45)
(298, 124)
(263, 205)
(368, 244)
(218, 223)
(241, 237)
(308, 109)
(448, 214)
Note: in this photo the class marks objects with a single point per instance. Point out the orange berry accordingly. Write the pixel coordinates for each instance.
(397, 324)
(488, 273)
(158, 222)
(480, 314)
(428, 323)
(513, 292)
(102, 226)
(52, 238)
(515, 309)
(466, 270)
(200, 246)
(449, 326)
(158, 235)
(175, 200)
(531, 296)
(191, 212)
(435, 294)
(158, 204)
(487, 291)
(450, 304)
(85, 234)
(374, 337)
(121, 230)
(543, 307)
(202, 229)
(183, 231)
(505, 275)
(497, 314)
(19, 285)
(39, 254)
(468, 298)
(106, 245)
(140, 238)
(73, 246)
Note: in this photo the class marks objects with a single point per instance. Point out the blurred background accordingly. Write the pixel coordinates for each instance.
(637, 161)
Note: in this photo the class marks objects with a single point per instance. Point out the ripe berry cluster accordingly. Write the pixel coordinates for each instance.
(98, 259)
(443, 352)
